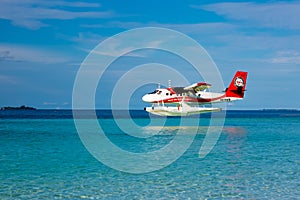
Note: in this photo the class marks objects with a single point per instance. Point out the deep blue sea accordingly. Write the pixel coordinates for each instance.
(257, 156)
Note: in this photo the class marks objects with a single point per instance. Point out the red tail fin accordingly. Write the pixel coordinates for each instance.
(237, 85)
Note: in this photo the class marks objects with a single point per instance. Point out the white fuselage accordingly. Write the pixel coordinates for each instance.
(202, 97)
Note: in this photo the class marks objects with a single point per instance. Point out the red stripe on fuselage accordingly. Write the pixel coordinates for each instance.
(189, 99)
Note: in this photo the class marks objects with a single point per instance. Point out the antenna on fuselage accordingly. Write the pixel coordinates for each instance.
(158, 86)
(169, 83)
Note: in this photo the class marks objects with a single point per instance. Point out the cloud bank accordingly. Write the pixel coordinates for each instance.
(272, 15)
(33, 13)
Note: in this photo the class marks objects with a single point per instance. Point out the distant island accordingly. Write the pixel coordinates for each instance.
(280, 109)
(17, 108)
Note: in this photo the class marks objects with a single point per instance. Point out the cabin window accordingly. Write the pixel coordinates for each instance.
(167, 94)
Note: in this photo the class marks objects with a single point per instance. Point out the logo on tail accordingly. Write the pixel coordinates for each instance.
(239, 82)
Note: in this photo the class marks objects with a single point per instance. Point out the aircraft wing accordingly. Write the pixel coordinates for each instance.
(198, 86)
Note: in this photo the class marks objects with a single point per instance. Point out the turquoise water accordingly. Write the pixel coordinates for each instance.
(256, 157)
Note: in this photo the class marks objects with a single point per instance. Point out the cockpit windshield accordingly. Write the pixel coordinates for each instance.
(155, 92)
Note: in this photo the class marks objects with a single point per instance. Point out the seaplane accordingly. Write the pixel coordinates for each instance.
(184, 101)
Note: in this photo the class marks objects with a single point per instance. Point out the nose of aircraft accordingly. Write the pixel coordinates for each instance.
(146, 98)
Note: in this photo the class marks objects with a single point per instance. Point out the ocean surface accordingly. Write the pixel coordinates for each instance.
(257, 156)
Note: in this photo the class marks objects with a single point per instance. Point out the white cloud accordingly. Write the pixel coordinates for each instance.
(84, 38)
(65, 3)
(8, 80)
(207, 32)
(5, 55)
(201, 28)
(272, 15)
(286, 57)
(31, 13)
(19, 53)
(122, 45)
(188, 28)
(49, 103)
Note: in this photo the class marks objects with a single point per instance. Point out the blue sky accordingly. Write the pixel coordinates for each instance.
(42, 44)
